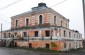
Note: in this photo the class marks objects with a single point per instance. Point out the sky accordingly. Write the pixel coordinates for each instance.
(71, 9)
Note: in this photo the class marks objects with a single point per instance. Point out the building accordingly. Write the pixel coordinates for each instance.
(43, 27)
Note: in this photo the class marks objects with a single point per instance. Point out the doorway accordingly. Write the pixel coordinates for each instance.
(47, 46)
(30, 45)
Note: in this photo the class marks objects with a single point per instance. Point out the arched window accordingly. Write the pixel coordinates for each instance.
(40, 19)
(54, 20)
(16, 23)
(61, 22)
(27, 22)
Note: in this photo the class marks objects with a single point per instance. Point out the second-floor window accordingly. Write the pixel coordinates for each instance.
(16, 23)
(27, 21)
(40, 19)
(54, 20)
(64, 33)
(61, 23)
(66, 24)
(69, 34)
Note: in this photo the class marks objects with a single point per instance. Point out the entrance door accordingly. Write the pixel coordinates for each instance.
(47, 46)
(30, 45)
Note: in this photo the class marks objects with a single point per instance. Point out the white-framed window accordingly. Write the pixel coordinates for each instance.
(16, 23)
(65, 45)
(65, 33)
(70, 45)
(69, 34)
(4, 35)
(47, 33)
(40, 19)
(25, 34)
(9, 34)
(54, 20)
(74, 35)
(36, 33)
(66, 25)
(61, 23)
(27, 21)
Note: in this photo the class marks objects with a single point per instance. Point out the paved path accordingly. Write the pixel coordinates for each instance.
(10, 51)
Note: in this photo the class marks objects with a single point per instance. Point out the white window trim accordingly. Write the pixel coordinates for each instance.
(28, 20)
(42, 18)
(17, 23)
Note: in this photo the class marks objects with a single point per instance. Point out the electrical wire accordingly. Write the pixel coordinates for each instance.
(36, 12)
(10, 4)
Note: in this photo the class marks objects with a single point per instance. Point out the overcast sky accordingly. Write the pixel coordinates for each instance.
(71, 9)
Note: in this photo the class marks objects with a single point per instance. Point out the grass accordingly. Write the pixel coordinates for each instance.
(74, 50)
(45, 50)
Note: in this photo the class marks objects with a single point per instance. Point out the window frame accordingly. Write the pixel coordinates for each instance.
(17, 23)
(47, 35)
(42, 18)
(36, 35)
(54, 20)
(4, 35)
(26, 21)
(24, 34)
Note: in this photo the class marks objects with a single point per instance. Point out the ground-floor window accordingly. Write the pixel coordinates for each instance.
(65, 45)
(76, 44)
(70, 45)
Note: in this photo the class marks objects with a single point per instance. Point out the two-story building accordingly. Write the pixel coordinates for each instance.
(43, 27)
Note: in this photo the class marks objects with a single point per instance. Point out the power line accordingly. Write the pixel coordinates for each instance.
(36, 12)
(10, 5)
(58, 3)
(51, 6)
(4, 19)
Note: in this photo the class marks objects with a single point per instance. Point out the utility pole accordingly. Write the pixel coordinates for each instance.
(1, 31)
(83, 1)
(1, 35)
